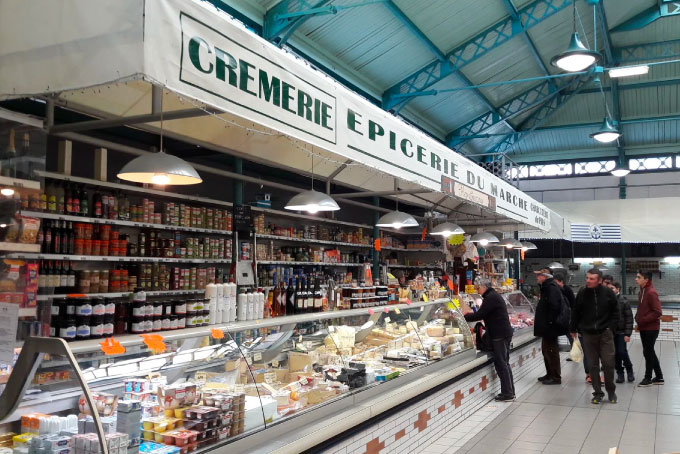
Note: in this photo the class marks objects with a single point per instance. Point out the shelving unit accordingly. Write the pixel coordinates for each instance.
(123, 294)
(411, 250)
(111, 258)
(278, 262)
(424, 267)
(19, 247)
(146, 225)
(310, 240)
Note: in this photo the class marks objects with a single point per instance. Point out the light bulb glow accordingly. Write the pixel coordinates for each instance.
(484, 242)
(160, 178)
(7, 192)
(606, 137)
(620, 172)
(2, 226)
(575, 63)
(509, 246)
(313, 209)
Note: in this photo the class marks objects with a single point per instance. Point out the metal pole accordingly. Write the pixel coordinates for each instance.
(376, 235)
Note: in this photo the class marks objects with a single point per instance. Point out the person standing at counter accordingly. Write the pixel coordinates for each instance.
(596, 317)
(545, 326)
(647, 318)
(494, 313)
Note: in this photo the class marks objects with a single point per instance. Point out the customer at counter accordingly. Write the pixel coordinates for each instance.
(622, 336)
(545, 326)
(647, 318)
(494, 313)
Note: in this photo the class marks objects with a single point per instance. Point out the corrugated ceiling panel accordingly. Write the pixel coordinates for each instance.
(650, 102)
(476, 146)
(512, 60)
(620, 11)
(581, 108)
(450, 110)
(371, 40)
(662, 132)
(564, 140)
(449, 23)
(664, 29)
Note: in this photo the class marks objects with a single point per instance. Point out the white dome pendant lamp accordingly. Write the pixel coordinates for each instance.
(576, 57)
(159, 168)
(312, 201)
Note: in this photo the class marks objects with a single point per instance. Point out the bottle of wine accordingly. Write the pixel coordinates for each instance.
(299, 297)
(318, 297)
(84, 203)
(97, 204)
(68, 197)
(71, 278)
(46, 247)
(272, 302)
(310, 295)
(282, 300)
(65, 238)
(61, 199)
(56, 238)
(290, 298)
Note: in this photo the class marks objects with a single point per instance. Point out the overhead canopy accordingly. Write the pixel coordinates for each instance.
(229, 90)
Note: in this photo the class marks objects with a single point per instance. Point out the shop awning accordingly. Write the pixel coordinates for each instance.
(229, 90)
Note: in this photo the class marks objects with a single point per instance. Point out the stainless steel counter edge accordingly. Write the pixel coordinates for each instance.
(318, 425)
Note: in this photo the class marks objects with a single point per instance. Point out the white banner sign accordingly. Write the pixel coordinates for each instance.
(195, 51)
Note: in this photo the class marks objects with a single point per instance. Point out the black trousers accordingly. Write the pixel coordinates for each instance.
(648, 339)
(501, 360)
(600, 347)
(622, 358)
(551, 357)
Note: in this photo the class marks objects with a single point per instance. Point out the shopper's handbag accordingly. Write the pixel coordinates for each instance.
(576, 353)
(482, 339)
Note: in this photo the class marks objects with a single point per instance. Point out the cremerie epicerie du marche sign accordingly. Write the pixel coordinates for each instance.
(213, 59)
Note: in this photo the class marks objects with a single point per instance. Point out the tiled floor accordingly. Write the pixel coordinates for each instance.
(562, 420)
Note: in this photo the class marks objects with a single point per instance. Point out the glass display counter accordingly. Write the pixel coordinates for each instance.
(216, 384)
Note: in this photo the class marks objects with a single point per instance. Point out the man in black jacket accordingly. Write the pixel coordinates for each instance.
(622, 336)
(495, 315)
(545, 326)
(596, 316)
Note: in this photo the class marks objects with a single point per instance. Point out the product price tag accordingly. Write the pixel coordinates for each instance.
(275, 363)
(387, 320)
(112, 347)
(425, 297)
(422, 236)
(386, 310)
(457, 303)
(376, 245)
(270, 377)
(239, 388)
(370, 311)
(397, 311)
(450, 284)
(408, 301)
(422, 308)
(257, 356)
(216, 333)
(154, 342)
(451, 306)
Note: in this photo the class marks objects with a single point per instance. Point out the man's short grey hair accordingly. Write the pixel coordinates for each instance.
(485, 282)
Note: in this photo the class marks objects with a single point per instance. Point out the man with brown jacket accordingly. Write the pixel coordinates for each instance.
(647, 318)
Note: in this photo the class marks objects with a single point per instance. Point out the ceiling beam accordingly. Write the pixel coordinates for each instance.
(277, 29)
(664, 8)
(647, 51)
(490, 38)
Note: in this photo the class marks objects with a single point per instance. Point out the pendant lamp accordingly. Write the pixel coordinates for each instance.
(447, 229)
(484, 238)
(510, 243)
(555, 266)
(528, 245)
(607, 132)
(577, 57)
(620, 171)
(397, 219)
(159, 168)
(312, 201)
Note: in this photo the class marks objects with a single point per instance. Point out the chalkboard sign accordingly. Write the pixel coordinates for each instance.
(243, 219)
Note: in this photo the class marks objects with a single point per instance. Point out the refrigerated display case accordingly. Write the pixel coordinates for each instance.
(521, 311)
(217, 384)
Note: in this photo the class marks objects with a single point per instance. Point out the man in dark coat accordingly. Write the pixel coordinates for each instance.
(494, 312)
(648, 317)
(622, 336)
(547, 311)
(596, 317)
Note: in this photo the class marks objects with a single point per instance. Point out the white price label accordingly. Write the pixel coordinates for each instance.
(257, 356)
(387, 319)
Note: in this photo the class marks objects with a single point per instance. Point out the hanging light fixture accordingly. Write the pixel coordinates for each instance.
(620, 171)
(510, 243)
(159, 168)
(555, 266)
(396, 219)
(484, 238)
(607, 132)
(528, 245)
(312, 201)
(447, 229)
(577, 57)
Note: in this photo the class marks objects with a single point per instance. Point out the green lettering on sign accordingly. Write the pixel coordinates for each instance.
(194, 54)
(270, 90)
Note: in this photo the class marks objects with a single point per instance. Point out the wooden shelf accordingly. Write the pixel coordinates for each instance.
(311, 240)
(19, 247)
(110, 258)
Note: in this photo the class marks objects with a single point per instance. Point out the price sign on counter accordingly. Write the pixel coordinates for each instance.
(154, 342)
(9, 320)
(425, 297)
(387, 320)
(112, 347)
(270, 377)
(239, 388)
(216, 333)
(257, 356)
(397, 311)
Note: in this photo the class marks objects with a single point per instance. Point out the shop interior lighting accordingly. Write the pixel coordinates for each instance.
(555, 266)
(396, 220)
(484, 238)
(594, 259)
(447, 229)
(577, 57)
(620, 171)
(510, 243)
(607, 132)
(312, 202)
(673, 260)
(7, 192)
(627, 71)
(528, 245)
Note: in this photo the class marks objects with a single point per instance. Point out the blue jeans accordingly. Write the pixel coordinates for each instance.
(622, 359)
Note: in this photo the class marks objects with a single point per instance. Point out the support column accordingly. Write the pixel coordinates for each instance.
(518, 258)
(376, 235)
(238, 184)
(65, 157)
(100, 170)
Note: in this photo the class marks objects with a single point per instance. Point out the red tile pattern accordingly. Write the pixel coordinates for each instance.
(457, 399)
(421, 423)
(374, 446)
(441, 409)
(483, 383)
(399, 434)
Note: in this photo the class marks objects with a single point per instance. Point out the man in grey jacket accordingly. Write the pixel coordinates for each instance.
(622, 336)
